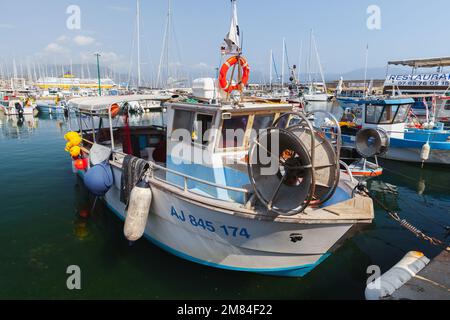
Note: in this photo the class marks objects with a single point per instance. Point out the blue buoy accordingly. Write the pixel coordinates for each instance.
(99, 179)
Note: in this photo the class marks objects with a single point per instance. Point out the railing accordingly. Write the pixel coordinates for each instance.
(186, 178)
(347, 168)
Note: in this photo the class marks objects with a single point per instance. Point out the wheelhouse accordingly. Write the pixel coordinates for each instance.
(386, 114)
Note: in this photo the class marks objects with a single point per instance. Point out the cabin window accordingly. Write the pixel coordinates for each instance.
(183, 119)
(284, 121)
(389, 114)
(263, 122)
(402, 114)
(202, 124)
(373, 114)
(233, 132)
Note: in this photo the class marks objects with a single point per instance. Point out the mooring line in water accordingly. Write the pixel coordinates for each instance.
(443, 226)
(404, 223)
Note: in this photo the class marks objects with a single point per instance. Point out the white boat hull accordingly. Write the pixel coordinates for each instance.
(440, 157)
(27, 111)
(231, 242)
(316, 97)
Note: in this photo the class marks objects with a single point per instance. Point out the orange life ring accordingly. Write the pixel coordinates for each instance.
(115, 109)
(223, 82)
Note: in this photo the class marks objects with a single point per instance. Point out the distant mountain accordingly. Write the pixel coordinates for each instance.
(372, 73)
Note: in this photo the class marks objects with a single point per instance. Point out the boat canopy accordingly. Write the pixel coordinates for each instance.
(100, 104)
(390, 102)
(423, 63)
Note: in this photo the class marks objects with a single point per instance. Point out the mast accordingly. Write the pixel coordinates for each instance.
(365, 71)
(164, 59)
(270, 69)
(309, 60)
(169, 28)
(320, 64)
(300, 60)
(282, 63)
(14, 75)
(138, 17)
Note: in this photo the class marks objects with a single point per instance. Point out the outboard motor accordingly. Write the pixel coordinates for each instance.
(19, 109)
(372, 142)
(291, 168)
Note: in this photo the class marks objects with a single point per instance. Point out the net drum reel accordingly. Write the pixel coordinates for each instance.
(371, 142)
(307, 166)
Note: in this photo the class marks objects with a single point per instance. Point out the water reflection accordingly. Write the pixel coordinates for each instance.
(15, 127)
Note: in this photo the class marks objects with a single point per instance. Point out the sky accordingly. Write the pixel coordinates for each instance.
(37, 30)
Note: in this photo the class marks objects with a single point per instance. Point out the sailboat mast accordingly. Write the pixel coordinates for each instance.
(14, 75)
(320, 64)
(300, 61)
(138, 17)
(169, 26)
(283, 63)
(165, 50)
(270, 69)
(309, 60)
(365, 71)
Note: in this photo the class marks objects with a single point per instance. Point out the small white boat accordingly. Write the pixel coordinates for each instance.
(59, 107)
(10, 106)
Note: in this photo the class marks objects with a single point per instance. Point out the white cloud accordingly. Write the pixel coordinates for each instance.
(203, 65)
(63, 38)
(83, 41)
(7, 26)
(55, 48)
(105, 57)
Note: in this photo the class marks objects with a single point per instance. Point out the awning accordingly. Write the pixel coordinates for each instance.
(423, 63)
(100, 104)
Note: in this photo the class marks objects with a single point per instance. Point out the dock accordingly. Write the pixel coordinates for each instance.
(432, 283)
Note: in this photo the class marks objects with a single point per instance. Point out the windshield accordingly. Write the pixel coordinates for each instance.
(386, 114)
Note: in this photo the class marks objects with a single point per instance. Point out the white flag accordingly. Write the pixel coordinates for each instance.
(232, 40)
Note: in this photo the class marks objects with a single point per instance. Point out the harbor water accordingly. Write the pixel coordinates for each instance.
(47, 224)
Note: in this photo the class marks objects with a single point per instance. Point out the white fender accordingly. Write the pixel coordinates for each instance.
(396, 277)
(138, 211)
(425, 153)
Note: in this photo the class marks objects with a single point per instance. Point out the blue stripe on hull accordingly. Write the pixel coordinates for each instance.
(295, 272)
(299, 271)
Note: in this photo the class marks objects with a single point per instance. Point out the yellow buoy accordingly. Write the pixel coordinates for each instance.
(68, 146)
(75, 151)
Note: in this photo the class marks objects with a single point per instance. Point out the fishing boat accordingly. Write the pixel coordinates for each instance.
(227, 182)
(430, 91)
(225, 213)
(387, 123)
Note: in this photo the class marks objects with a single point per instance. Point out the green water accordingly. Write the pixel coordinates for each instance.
(42, 233)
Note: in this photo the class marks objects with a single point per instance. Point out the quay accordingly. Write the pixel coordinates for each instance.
(432, 283)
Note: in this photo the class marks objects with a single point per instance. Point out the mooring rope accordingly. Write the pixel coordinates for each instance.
(403, 222)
